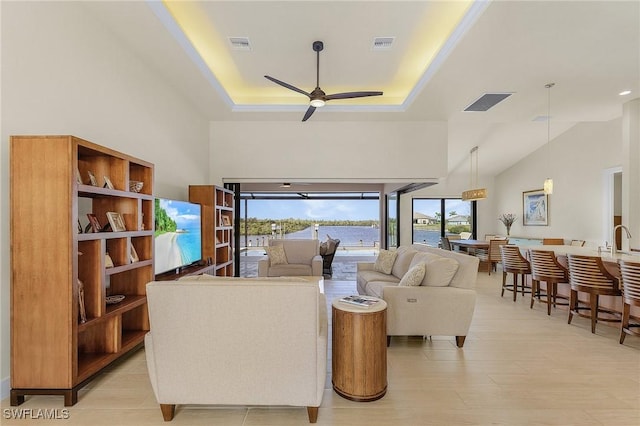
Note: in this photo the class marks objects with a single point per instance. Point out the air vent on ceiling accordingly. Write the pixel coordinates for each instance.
(382, 43)
(240, 43)
(487, 101)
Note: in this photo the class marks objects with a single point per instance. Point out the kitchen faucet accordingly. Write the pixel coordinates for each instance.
(614, 248)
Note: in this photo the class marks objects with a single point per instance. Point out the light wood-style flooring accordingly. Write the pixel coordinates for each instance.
(518, 367)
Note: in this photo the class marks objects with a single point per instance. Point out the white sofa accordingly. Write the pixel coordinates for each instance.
(430, 309)
(302, 259)
(237, 341)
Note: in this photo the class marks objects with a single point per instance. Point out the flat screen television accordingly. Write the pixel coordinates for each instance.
(178, 235)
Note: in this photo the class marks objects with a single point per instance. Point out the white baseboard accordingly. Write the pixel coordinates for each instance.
(5, 388)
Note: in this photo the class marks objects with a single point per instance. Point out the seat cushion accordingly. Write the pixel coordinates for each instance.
(365, 276)
(290, 269)
(375, 288)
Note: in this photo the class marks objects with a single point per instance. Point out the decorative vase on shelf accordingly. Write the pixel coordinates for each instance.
(508, 230)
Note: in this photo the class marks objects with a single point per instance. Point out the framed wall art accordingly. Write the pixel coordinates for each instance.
(535, 208)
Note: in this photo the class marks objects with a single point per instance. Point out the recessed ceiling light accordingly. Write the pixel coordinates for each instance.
(625, 93)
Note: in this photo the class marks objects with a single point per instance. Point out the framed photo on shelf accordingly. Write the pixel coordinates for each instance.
(92, 179)
(116, 222)
(133, 255)
(82, 310)
(93, 223)
(535, 208)
(226, 221)
(108, 262)
(78, 177)
(107, 183)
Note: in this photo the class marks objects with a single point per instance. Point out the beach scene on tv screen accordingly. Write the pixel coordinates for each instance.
(177, 235)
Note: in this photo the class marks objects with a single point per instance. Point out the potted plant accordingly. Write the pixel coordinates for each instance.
(507, 220)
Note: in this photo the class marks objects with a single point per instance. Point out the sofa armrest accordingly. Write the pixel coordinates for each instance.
(316, 266)
(444, 311)
(263, 267)
(364, 266)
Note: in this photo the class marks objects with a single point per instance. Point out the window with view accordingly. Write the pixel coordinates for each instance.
(434, 218)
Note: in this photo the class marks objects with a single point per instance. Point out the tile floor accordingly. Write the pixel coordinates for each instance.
(518, 367)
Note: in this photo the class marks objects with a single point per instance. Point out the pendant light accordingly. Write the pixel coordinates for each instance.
(548, 183)
(477, 193)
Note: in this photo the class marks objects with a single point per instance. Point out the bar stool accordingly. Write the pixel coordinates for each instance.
(630, 295)
(492, 256)
(587, 274)
(513, 262)
(545, 267)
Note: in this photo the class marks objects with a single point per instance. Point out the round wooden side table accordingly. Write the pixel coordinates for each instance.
(359, 350)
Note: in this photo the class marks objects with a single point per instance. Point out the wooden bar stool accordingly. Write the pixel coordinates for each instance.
(513, 262)
(545, 267)
(492, 256)
(587, 274)
(630, 296)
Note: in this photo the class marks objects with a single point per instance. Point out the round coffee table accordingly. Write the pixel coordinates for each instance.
(359, 350)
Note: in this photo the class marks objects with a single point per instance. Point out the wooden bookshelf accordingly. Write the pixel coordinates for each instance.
(52, 350)
(217, 226)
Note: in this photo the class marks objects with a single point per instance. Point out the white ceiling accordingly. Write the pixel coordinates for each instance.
(590, 49)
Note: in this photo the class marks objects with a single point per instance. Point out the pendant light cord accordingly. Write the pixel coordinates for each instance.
(549, 86)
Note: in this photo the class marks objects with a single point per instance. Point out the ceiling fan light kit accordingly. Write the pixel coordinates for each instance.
(317, 98)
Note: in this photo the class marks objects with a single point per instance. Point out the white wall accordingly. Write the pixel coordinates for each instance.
(334, 151)
(576, 164)
(576, 211)
(63, 73)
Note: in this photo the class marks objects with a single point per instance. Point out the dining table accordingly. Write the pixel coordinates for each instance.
(467, 244)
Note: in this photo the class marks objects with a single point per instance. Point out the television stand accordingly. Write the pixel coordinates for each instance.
(186, 271)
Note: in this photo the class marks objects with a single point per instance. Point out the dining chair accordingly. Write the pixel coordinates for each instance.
(630, 296)
(446, 245)
(513, 262)
(492, 256)
(545, 267)
(577, 243)
(588, 274)
(553, 241)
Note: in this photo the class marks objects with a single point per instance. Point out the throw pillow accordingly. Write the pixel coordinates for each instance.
(440, 272)
(414, 276)
(277, 256)
(384, 261)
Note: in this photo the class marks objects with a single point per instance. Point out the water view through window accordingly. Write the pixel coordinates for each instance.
(435, 217)
(353, 219)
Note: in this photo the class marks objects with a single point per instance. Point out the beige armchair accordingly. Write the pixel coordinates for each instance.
(302, 258)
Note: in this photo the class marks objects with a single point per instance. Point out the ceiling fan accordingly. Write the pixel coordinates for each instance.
(318, 97)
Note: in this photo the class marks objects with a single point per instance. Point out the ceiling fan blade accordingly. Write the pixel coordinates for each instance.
(349, 95)
(287, 85)
(307, 114)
